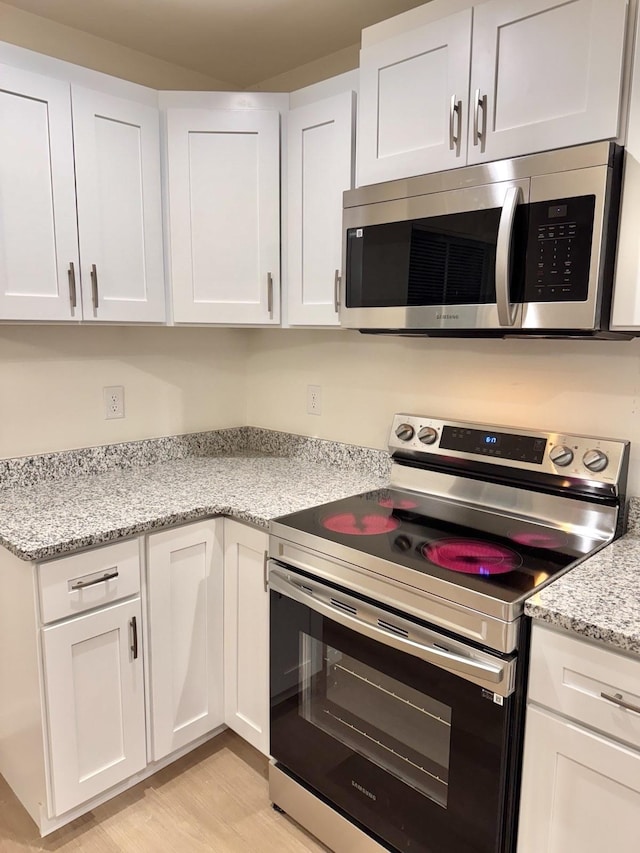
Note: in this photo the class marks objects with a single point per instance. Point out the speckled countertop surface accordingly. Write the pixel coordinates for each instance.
(52, 518)
(599, 599)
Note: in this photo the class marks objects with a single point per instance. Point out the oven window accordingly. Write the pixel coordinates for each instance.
(403, 731)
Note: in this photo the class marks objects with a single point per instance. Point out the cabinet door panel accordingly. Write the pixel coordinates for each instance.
(551, 72)
(185, 632)
(406, 86)
(580, 791)
(321, 157)
(246, 635)
(224, 200)
(117, 151)
(95, 697)
(38, 232)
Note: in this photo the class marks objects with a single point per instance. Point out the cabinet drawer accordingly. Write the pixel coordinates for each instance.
(570, 675)
(91, 579)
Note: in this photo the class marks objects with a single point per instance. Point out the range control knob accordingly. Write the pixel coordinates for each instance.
(405, 432)
(595, 460)
(427, 435)
(561, 455)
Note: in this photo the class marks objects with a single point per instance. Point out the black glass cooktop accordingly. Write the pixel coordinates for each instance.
(480, 550)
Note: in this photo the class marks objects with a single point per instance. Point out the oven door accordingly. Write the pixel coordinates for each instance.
(403, 730)
(446, 261)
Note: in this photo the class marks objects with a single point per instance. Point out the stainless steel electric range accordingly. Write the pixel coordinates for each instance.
(398, 643)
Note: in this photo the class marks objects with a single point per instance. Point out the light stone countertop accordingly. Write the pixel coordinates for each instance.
(49, 519)
(599, 599)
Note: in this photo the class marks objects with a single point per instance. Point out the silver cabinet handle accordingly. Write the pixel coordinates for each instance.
(134, 631)
(506, 310)
(72, 285)
(336, 291)
(108, 576)
(479, 103)
(265, 571)
(94, 285)
(618, 700)
(455, 109)
(270, 295)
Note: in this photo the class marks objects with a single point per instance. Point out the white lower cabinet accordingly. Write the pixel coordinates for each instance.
(581, 770)
(108, 672)
(580, 791)
(246, 634)
(184, 589)
(94, 685)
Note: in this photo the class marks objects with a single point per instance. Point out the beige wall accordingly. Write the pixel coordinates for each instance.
(590, 387)
(175, 380)
(36, 33)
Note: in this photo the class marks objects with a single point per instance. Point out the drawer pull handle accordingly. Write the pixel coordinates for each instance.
(84, 584)
(618, 700)
(134, 629)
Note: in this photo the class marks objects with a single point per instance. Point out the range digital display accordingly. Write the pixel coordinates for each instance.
(501, 445)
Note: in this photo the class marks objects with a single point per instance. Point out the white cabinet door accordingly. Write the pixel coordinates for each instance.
(224, 215)
(321, 158)
(413, 106)
(117, 154)
(184, 583)
(95, 702)
(580, 791)
(246, 634)
(38, 230)
(548, 73)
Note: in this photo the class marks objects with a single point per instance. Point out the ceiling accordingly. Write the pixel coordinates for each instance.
(241, 42)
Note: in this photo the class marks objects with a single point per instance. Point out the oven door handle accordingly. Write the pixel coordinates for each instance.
(479, 671)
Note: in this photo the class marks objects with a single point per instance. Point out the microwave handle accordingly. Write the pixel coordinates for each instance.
(506, 309)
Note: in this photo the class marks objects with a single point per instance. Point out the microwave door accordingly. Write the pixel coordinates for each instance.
(446, 262)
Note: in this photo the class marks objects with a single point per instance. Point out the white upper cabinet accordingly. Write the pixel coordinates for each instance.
(320, 169)
(544, 74)
(117, 274)
(224, 212)
(117, 154)
(38, 234)
(505, 78)
(414, 101)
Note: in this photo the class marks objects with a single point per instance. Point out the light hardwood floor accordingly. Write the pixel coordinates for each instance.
(214, 799)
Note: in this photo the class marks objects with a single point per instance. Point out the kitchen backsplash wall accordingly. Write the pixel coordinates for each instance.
(175, 381)
(590, 387)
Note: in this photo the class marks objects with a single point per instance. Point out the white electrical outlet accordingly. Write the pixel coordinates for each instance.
(314, 399)
(114, 401)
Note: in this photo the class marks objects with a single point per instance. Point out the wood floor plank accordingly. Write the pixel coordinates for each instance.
(214, 799)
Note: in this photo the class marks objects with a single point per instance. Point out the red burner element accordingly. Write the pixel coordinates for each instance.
(552, 541)
(360, 525)
(471, 556)
(401, 503)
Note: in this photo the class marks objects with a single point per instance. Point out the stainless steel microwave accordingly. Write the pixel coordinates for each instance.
(515, 247)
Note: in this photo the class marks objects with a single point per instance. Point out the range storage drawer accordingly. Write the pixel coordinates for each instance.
(574, 677)
(71, 585)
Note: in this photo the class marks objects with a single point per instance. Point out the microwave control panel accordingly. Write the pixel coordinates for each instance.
(559, 250)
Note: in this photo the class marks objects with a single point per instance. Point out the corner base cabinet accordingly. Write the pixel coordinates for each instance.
(581, 770)
(246, 634)
(184, 590)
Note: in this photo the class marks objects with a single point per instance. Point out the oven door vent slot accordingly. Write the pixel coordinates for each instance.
(304, 587)
(388, 626)
(347, 608)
